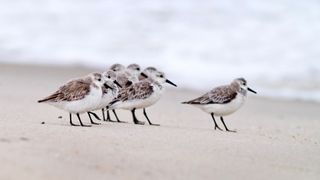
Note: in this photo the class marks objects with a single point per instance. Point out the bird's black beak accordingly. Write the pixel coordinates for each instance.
(169, 82)
(249, 89)
(116, 82)
(144, 75)
(107, 86)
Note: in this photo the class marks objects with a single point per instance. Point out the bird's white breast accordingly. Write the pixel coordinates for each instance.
(88, 103)
(141, 103)
(224, 109)
(106, 99)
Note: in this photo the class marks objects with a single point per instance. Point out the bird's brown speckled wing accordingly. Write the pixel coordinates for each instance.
(140, 90)
(219, 95)
(72, 91)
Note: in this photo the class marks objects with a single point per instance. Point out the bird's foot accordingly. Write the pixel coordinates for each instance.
(233, 131)
(113, 121)
(121, 121)
(217, 127)
(139, 122)
(84, 125)
(151, 124)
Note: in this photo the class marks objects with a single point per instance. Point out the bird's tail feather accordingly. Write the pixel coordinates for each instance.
(52, 97)
(44, 100)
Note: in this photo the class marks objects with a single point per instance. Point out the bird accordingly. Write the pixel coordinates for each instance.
(117, 67)
(147, 72)
(141, 95)
(223, 100)
(110, 95)
(125, 77)
(78, 96)
(134, 71)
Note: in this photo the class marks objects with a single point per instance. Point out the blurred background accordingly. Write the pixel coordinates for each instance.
(274, 44)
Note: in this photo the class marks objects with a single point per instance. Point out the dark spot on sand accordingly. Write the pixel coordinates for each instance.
(60, 117)
(4, 140)
(43, 122)
(24, 139)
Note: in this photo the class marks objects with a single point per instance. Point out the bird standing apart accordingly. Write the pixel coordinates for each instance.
(223, 100)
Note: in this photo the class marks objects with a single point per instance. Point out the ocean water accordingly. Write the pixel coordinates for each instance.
(274, 44)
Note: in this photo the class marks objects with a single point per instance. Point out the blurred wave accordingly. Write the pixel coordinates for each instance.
(200, 44)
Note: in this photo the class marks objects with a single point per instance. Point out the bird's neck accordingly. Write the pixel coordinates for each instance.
(243, 91)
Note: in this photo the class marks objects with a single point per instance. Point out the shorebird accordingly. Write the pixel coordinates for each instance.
(223, 100)
(134, 71)
(125, 77)
(78, 96)
(108, 93)
(147, 72)
(140, 95)
(117, 67)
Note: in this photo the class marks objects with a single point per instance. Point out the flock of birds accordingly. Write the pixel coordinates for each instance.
(130, 88)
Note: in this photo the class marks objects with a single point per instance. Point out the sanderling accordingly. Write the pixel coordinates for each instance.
(78, 96)
(141, 95)
(117, 67)
(134, 71)
(109, 94)
(128, 76)
(125, 77)
(147, 72)
(223, 100)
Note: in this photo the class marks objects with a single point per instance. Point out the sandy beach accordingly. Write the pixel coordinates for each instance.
(276, 139)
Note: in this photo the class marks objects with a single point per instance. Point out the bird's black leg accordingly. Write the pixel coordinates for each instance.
(145, 114)
(94, 114)
(71, 123)
(103, 114)
(135, 120)
(81, 121)
(115, 114)
(215, 123)
(226, 126)
(92, 122)
(109, 117)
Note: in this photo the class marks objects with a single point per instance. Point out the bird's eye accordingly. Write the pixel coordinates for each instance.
(161, 76)
(109, 77)
(99, 79)
(138, 69)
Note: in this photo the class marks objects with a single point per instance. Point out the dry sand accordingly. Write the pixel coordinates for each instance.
(275, 139)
